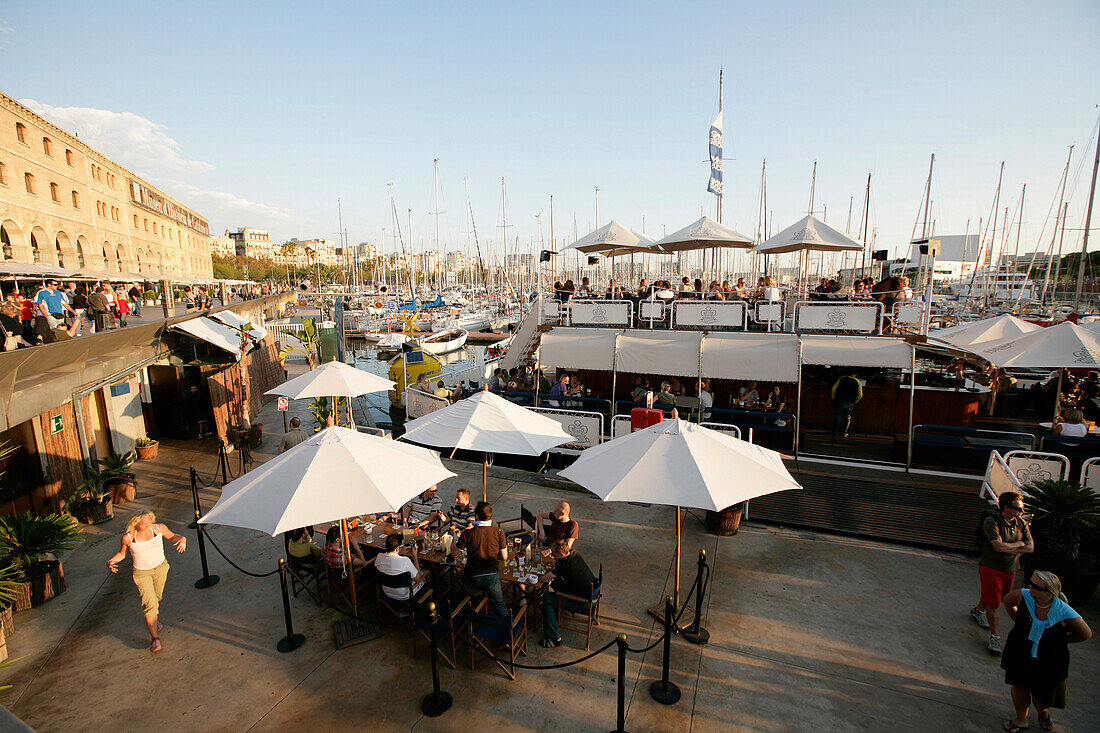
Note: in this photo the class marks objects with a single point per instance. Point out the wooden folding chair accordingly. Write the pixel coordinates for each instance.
(586, 608)
(449, 621)
(303, 573)
(524, 527)
(493, 634)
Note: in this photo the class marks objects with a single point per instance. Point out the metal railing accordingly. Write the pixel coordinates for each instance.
(838, 317)
(1090, 474)
(585, 427)
(600, 313)
(710, 315)
(998, 479)
(1031, 466)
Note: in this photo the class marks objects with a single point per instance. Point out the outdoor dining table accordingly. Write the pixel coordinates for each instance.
(534, 577)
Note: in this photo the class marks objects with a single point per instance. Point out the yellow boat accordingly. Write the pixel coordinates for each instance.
(406, 368)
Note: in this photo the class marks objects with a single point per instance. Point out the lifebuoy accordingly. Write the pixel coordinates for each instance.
(389, 319)
(377, 304)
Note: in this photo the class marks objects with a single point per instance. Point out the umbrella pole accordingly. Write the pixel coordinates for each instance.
(1058, 398)
(484, 476)
(348, 564)
(676, 585)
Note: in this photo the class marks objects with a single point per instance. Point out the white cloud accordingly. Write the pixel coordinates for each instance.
(134, 141)
(146, 148)
(223, 206)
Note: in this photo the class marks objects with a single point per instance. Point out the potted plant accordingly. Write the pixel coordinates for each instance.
(151, 297)
(28, 545)
(252, 432)
(725, 522)
(91, 503)
(117, 478)
(147, 448)
(7, 611)
(1066, 528)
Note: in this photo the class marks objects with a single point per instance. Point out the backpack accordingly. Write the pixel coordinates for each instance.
(979, 532)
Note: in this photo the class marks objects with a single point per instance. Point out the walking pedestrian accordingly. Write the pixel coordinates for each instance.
(144, 539)
(847, 391)
(1006, 536)
(1036, 657)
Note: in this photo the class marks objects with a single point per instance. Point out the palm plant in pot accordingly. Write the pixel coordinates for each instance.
(1066, 527)
(91, 503)
(29, 545)
(7, 611)
(117, 477)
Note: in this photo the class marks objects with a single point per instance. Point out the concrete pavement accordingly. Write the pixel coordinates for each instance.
(808, 631)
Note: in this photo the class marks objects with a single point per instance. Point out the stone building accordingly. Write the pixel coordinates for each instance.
(64, 203)
(254, 243)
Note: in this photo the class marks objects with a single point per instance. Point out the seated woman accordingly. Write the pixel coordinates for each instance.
(1073, 425)
(771, 291)
(777, 401)
(714, 292)
(665, 398)
(301, 546)
(641, 386)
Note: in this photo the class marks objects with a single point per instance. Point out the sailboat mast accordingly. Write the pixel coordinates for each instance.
(866, 223)
(1088, 222)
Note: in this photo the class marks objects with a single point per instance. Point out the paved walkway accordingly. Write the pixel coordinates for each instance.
(808, 632)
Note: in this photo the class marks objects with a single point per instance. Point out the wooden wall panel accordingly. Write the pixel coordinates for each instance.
(64, 466)
(226, 390)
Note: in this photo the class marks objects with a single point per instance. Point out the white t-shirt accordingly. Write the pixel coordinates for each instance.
(706, 400)
(772, 294)
(393, 564)
(1074, 430)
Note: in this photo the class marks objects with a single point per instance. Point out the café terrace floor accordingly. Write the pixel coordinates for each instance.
(809, 631)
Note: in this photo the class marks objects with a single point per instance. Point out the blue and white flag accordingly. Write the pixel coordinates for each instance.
(715, 185)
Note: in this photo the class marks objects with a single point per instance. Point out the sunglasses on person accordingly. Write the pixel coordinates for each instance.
(1016, 507)
(1038, 588)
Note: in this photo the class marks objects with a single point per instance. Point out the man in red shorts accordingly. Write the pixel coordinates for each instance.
(1006, 538)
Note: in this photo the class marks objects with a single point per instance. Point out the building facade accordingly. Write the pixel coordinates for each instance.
(254, 243)
(64, 203)
(223, 246)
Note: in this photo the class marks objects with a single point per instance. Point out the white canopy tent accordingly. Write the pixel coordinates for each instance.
(611, 240)
(810, 233)
(1065, 345)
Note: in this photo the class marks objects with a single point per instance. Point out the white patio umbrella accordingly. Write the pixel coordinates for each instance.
(997, 328)
(332, 379)
(702, 234)
(488, 423)
(678, 463)
(810, 233)
(335, 474)
(611, 240)
(1066, 345)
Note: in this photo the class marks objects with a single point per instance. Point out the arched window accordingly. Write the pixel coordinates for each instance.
(21, 132)
(28, 179)
(76, 200)
(68, 156)
(55, 192)
(79, 255)
(137, 256)
(36, 252)
(5, 242)
(119, 254)
(3, 178)
(60, 254)
(46, 147)
(106, 256)
(135, 221)
(146, 222)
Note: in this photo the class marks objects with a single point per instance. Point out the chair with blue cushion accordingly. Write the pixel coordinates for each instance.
(524, 527)
(449, 621)
(494, 634)
(578, 608)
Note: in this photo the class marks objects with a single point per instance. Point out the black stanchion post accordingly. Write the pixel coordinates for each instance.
(195, 498)
(223, 461)
(291, 641)
(207, 579)
(695, 633)
(438, 702)
(662, 690)
(620, 717)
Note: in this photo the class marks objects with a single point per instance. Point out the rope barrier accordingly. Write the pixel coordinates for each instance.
(238, 567)
(646, 650)
(349, 614)
(562, 665)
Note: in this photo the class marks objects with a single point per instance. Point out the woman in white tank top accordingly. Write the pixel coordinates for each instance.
(144, 539)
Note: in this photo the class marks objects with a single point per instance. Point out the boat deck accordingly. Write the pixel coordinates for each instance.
(912, 508)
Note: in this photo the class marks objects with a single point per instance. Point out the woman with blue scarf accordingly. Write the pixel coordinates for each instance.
(1036, 657)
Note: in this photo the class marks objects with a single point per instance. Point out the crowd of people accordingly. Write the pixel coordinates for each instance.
(58, 313)
(483, 545)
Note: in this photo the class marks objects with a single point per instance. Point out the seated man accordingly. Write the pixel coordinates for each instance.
(442, 391)
(392, 562)
(422, 510)
(559, 526)
(462, 513)
(777, 401)
(748, 393)
(641, 386)
(571, 575)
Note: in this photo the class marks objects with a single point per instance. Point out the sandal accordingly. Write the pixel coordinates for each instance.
(155, 645)
(1013, 728)
(550, 643)
(1045, 722)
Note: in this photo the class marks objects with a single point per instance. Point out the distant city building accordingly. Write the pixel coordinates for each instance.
(254, 243)
(64, 203)
(367, 252)
(223, 246)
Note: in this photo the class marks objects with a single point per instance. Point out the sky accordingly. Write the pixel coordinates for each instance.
(266, 114)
